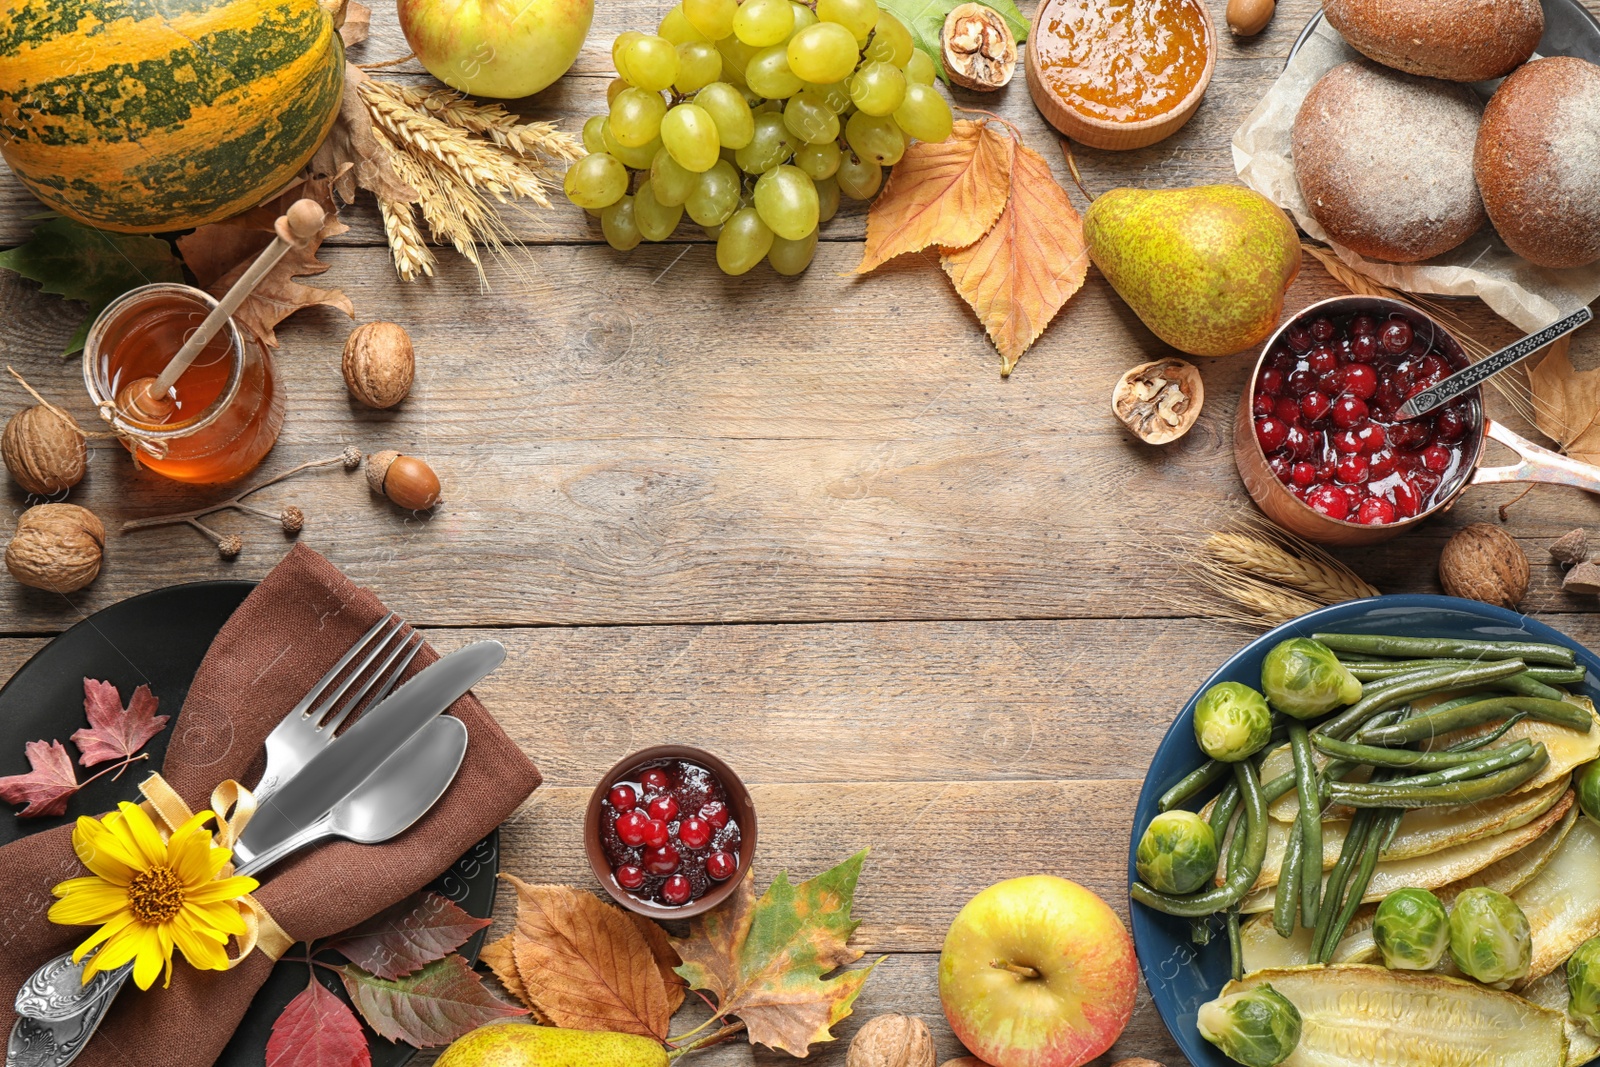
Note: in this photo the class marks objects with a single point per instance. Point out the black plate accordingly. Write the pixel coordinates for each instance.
(158, 639)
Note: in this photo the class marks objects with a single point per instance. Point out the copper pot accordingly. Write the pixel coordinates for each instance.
(1287, 510)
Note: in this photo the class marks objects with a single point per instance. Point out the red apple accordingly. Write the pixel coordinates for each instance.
(1037, 972)
(497, 48)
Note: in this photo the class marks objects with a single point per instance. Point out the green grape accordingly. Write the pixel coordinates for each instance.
(594, 212)
(763, 23)
(671, 180)
(617, 223)
(770, 146)
(715, 196)
(859, 179)
(633, 158)
(652, 62)
(875, 139)
(787, 201)
(835, 95)
(727, 108)
(827, 199)
(713, 18)
(857, 16)
(769, 74)
(677, 28)
(891, 41)
(596, 180)
(767, 107)
(792, 257)
(593, 139)
(713, 232)
(690, 134)
(655, 220)
(619, 48)
(818, 160)
(803, 15)
(925, 115)
(613, 87)
(823, 53)
(808, 118)
(636, 117)
(699, 64)
(919, 68)
(744, 241)
(736, 55)
(878, 88)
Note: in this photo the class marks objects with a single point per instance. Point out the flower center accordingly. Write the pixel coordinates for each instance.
(155, 896)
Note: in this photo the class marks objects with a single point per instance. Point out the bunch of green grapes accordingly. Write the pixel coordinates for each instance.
(754, 118)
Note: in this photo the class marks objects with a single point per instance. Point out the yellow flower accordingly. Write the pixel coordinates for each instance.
(149, 896)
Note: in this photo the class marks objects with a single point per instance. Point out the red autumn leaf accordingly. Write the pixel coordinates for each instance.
(408, 936)
(438, 1004)
(116, 732)
(317, 1029)
(45, 789)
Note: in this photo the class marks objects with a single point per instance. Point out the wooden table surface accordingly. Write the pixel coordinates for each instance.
(801, 522)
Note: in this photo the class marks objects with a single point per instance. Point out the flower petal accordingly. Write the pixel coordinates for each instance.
(104, 851)
(147, 964)
(189, 854)
(100, 935)
(144, 834)
(202, 952)
(89, 902)
(223, 889)
(121, 947)
(222, 918)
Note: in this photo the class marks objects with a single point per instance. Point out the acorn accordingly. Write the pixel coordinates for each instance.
(405, 480)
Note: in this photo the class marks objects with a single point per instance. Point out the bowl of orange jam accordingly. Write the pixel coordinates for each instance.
(1120, 74)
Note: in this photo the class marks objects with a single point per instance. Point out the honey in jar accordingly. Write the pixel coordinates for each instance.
(1122, 61)
(223, 413)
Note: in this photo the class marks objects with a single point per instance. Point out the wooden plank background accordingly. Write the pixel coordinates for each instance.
(802, 522)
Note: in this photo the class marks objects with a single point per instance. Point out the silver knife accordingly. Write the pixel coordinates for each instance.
(1487, 367)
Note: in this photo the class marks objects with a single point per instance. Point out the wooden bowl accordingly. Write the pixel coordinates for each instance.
(740, 805)
(1100, 133)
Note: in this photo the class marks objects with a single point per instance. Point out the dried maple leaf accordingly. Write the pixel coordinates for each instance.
(584, 965)
(317, 1029)
(220, 252)
(1020, 273)
(116, 732)
(354, 22)
(432, 1007)
(765, 960)
(947, 194)
(666, 958)
(407, 936)
(45, 789)
(1566, 403)
(352, 155)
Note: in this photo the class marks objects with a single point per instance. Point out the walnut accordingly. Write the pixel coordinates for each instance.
(1483, 562)
(379, 363)
(892, 1041)
(1583, 579)
(979, 49)
(406, 480)
(1570, 548)
(56, 547)
(1160, 400)
(44, 450)
(1137, 1061)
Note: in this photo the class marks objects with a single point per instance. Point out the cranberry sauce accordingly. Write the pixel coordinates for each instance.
(668, 832)
(1324, 407)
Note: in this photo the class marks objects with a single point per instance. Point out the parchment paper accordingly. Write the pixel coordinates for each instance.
(1530, 297)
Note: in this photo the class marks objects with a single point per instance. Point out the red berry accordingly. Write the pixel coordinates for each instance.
(656, 833)
(1349, 412)
(1287, 408)
(1363, 326)
(1283, 361)
(1263, 404)
(1352, 469)
(1271, 381)
(622, 797)
(1279, 465)
(676, 890)
(1272, 433)
(1322, 359)
(1388, 397)
(1325, 470)
(1364, 349)
(1450, 425)
(721, 865)
(1436, 458)
(630, 877)
(631, 827)
(662, 860)
(1299, 337)
(1407, 501)
(656, 779)
(1346, 441)
(1322, 329)
(1354, 494)
(1372, 437)
(1432, 367)
(1375, 511)
(1302, 382)
(1419, 347)
(715, 813)
(664, 809)
(1315, 405)
(1303, 474)
(694, 833)
(1299, 443)
(1412, 435)
(1395, 336)
(1329, 500)
(1360, 380)
(1381, 465)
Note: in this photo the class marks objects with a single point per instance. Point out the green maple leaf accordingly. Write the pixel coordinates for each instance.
(767, 960)
(95, 266)
(925, 20)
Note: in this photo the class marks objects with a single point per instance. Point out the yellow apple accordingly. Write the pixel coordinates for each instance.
(1037, 972)
(497, 48)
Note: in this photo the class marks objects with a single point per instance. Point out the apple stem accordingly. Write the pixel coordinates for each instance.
(1018, 969)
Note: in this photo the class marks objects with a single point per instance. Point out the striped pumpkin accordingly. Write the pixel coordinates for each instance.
(152, 115)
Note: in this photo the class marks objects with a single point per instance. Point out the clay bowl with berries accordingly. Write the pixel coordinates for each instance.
(670, 831)
(1321, 448)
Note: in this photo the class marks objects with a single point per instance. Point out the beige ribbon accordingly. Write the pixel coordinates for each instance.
(233, 805)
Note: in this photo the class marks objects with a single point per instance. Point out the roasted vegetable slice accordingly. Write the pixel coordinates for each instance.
(1569, 749)
(1551, 992)
(1563, 902)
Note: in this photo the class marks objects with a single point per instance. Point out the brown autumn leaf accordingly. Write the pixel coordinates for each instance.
(1020, 273)
(947, 194)
(1566, 402)
(356, 25)
(666, 958)
(352, 153)
(501, 958)
(220, 252)
(584, 965)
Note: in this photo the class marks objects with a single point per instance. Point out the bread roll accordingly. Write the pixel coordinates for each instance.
(1385, 161)
(1538, 161)
(1458, 40)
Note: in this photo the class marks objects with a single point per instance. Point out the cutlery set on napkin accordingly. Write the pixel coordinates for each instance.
(346, 821)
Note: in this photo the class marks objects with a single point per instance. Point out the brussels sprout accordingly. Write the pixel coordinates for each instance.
(1411, 929)
(1258, 1028)
(1489, 936)
(1178, 853)
(1232, 722)
(1587, 781)
(1583, 984)
(1305, 679)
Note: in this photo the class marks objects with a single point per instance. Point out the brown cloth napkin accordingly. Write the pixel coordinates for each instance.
(283, 638)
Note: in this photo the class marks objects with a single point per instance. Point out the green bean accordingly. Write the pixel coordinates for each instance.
(1448, 648)
(1456, 702)
(1239, 878)
(1489, 738)
(1286, 895)
(1274, 788)
(1355, 840)
(1447, 794)
(1235, 945)
(1433, 724)
(1222, 811)
(1369, 671)
(1484, 763)
(1305, 769)
(1379, 836)
(1408, 686)
(1200, 930)
(1400, 758)
(1190, 784)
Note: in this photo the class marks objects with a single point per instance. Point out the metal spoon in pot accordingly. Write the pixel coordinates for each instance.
(1470, 378)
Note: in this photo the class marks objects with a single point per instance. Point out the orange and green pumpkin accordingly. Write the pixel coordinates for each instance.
(150, 115)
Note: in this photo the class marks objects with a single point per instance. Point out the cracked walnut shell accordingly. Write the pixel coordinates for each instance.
(44, 450)
(1159, 400)
(56, 547)
(379, 364)
(892, 1041)
(1483, 562)
(979, 50)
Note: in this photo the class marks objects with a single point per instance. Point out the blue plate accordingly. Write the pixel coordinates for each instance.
(1182, 975)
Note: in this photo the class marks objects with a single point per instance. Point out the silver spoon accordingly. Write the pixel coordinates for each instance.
(1472, 377)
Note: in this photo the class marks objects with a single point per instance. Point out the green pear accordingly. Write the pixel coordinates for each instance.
(520, 1044)
(1205, 268)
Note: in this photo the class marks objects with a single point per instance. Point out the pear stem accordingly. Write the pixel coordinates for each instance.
(1018, 969)
(706, 1042)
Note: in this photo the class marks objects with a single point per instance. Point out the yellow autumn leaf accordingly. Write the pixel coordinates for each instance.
(945, 195)
(1566, 403)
